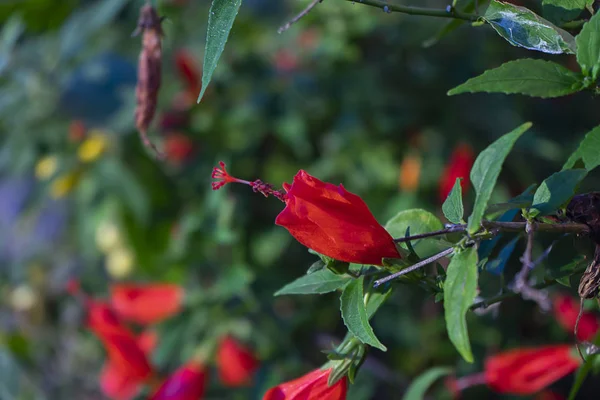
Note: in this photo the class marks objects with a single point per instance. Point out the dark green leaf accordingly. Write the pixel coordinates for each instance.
(485, 172)
(496, 266)
(376, 299)
(319, 282)
(419, 221)
(523, 28)
(569, 4)
(354, 314)
(460, 290)
(556, 190)
(588, 150)
(220, 20)
(521, 201)
(588, 47)
(453, 206)
(536, 78)
(582, 373)
(418, 388)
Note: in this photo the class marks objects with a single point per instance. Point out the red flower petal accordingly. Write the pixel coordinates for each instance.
(461, 162)
(146, 304)
(236, 364)
(529, 370)
(312, 386)
(334, 222)
(116, 385)
(187, 383)
(566, 310)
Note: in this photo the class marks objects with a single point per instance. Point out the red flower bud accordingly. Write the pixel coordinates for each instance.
(127, 365)
(334, 222)
(325, 218)
(236, 364)
(461, 162)
(566, 310)
(178, 148)
(311, 386)
(187, 383)
(528, 370)
(146, 303)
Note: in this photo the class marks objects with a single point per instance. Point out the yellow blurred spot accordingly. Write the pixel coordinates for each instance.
(410, 172)
(63, 185)
(46, 167)
(108, 236)
(93, 146)
(119, 263)
(23, 298)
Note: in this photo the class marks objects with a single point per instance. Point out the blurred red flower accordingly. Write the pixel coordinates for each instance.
(188, 71)
(236, 364)
(461, 162)
(312, 386)
(186, 383)
(127, 365)
(146, 303)
(528, 370)
(178, 148)
(566, 310)
(334, 222)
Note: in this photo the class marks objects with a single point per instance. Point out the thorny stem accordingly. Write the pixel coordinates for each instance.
(430, 12)
(542, 285)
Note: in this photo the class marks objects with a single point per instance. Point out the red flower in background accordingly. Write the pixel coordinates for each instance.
(334, 222)
(178, 148)
(236, 364)
(146, 303)
(566, 310)
(127, 365)
(528, 370)
(461, 162)
(186, 383)
(324, 217)
(188, 71)
(312, 386)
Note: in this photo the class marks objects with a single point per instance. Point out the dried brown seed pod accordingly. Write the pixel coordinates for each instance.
(585, 209)
(149, 72)
(589, 285)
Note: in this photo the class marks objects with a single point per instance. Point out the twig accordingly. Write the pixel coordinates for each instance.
(299, 16)
(430, 12)
(450, 229)
(540, 227)
(418, 265)
(507, 295)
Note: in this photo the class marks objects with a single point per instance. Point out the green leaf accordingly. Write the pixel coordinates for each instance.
(485, 172)
(376, 299)
(582, 373)
(523, 28)
(588, 47)
(418, 388)
(320, 282)
(588, 150)
(354, 314)
(536, 78)
(522, 200)
(460, 290)
(220, 20)
(556, 190)
(453, 206)
(569, 4)
(419, 221)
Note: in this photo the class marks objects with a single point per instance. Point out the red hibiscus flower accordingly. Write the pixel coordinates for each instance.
(308, 387)
(236, 364)
(326, 218)
(566, 310)
(187, 383)
(528, 370)
(146, 303)
(461, 162)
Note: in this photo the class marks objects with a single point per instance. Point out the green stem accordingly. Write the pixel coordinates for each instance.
(430, 12)
(540, 227)
(542, 285)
